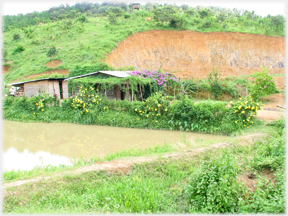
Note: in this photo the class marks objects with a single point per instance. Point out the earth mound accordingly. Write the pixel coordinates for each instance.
(195, 54)
(53, 63)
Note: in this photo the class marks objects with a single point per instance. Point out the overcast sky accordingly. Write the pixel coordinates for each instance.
(262, 8)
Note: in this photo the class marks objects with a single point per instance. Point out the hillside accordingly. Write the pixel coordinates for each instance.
(191, 41)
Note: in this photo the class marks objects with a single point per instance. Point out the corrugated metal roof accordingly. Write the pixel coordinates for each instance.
(20, 83)
(120, 74)
(80, 76)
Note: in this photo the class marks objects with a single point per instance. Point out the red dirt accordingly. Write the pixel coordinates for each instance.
(5, 69)
(195, 54)
(54, 63)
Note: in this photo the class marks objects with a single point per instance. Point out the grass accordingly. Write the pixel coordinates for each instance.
(155, 187)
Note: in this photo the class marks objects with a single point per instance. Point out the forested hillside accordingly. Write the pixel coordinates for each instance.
(83, 34)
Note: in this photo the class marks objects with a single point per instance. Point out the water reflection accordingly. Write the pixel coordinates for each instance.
(14, 160)
(75, 141)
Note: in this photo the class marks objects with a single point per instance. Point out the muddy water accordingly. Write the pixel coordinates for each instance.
(27, 145)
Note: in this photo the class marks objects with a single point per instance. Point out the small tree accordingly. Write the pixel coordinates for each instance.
(112, 18)
(52, 52)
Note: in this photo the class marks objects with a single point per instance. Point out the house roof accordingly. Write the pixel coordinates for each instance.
(21, 83)
(120, 74)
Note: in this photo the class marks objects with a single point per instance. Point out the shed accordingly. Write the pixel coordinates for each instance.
(114, 94)
(118, 92)
(55, 87)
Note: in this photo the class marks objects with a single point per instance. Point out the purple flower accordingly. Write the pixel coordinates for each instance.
(264, 79)
(257, 82)
(265, 86)
(271, 80)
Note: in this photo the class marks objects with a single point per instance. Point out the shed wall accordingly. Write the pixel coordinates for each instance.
(65, 89)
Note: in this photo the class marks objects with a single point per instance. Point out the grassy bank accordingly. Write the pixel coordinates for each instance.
(170, 185)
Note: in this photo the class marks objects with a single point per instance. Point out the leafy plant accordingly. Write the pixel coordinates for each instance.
(52, 52)
(262, 84)
(244, 109)
(215, 83)
(154, 107)
(18, 49)
(213, 189)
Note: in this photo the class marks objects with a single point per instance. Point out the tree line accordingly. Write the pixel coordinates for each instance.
(165, 14)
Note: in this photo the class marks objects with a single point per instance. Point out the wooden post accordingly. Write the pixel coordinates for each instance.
(141, 91)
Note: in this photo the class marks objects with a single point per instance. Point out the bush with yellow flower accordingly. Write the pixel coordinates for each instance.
(244, 109)
(87, 98)
(154, 107)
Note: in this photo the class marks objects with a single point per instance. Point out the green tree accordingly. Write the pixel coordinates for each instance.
(112, 18)
(52, 52)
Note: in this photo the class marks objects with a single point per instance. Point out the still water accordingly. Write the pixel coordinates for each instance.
(27, 145)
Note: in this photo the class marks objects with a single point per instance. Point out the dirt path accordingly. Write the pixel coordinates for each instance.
(124, 165)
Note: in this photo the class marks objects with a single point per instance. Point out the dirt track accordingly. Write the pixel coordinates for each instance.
(195, 54)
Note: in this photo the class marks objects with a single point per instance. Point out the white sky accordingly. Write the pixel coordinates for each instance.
(262, 8)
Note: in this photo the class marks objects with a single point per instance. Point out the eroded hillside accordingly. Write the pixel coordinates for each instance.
(195, 54)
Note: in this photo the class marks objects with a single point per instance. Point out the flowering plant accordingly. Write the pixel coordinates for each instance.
(86, 98)
(155, 106)
(161, 78)
(244, 109)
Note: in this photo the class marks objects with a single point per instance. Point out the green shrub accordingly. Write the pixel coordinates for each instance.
(154, 107)
(87, 99)
(18, 49)
(215, 83)
(244, 109)
(262, 84)
(213, 189)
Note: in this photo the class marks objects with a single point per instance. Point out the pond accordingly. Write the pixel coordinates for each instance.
(27, 145)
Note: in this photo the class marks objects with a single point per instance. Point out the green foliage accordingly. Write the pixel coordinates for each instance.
(244, 109)
(52, 52)
(18, 49)
(213, 188)
(81, 19)
(87, 99)
(205, 116)
(112, 18)
(89, 68)
(215, 83)
(262, 85)
(154, 107)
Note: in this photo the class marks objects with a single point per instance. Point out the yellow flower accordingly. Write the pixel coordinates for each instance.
(243, 120)
(236, 122)
(157, 114)
(135, 109)
(156, 121)
(244, 125)
(165, 110)
(36, 103)
(155, 109)
(239, 107)
(235, 111)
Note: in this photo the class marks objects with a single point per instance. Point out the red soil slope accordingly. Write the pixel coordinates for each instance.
(195, 54)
